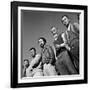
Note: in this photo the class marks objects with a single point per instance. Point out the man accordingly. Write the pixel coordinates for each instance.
(60, 40)
(25, 66)
(67, 22)
(35, 68)
(64, 65)
(72, 34)
(48, 58)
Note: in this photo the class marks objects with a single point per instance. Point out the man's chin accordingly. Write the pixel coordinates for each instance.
(41, 46)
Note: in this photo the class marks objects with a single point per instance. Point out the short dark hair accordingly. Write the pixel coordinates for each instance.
(52, 27)
(32, 49)
(26, 60)
(43, 39)
(65, 16)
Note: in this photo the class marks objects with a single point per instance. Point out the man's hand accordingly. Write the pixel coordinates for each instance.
(59, 46)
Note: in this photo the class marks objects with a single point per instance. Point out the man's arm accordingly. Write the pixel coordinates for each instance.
(76, 27)
(35, 62)
(24, 71)
(52, 55)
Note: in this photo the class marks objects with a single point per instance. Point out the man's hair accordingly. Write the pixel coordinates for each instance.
(43, 39)
(26, 60)
(65, 16)
(32, 49)
(52, 27)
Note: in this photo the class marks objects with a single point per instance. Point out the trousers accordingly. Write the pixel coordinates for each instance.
(64, 65)
(49, 70)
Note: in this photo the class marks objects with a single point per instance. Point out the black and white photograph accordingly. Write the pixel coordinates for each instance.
(50, 43)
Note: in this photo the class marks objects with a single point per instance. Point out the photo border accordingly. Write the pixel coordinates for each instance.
(14, 43)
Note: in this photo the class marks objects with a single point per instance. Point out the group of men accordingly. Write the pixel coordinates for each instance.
(65, 59)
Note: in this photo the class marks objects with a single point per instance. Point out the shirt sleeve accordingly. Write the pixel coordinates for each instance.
(52, 55)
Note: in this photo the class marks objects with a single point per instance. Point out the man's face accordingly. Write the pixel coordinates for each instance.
(65, 21)
(26, 63)
(53, 31)
(32, 52)
(41, 43)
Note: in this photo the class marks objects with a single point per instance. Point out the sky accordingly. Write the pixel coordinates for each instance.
(35, 24)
